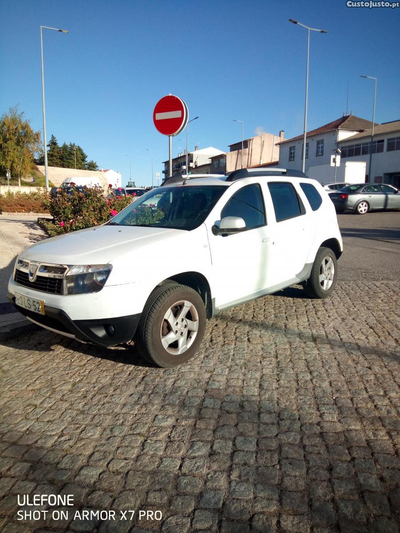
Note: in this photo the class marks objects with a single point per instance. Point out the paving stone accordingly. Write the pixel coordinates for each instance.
(211, 499)
(204, 520)
(287, 420)
(176, 524)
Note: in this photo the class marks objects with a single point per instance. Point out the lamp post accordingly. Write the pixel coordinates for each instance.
(307, 76)
(187, 144)
(373, 126)
(46, 171)
(151, 157)
(241, 155)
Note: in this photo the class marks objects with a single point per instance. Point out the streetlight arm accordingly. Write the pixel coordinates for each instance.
(307, 27)
(54, 29)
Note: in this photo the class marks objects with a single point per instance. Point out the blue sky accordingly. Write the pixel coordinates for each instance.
(227, 59)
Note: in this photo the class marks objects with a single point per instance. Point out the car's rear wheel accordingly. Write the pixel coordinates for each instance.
(362, 207)
(172, 326)
(323, 274)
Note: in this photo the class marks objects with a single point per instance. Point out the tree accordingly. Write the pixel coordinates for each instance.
(18, 144)
(91, 165)
(66, 156)
(53, 153)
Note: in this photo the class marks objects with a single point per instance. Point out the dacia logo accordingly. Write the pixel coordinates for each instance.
(33, 268)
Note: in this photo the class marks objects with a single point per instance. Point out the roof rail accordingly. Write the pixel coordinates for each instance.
(184, 177)
(174, 179)
(266, 171)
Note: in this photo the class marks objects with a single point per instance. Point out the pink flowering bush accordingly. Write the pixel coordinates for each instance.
(81, 208)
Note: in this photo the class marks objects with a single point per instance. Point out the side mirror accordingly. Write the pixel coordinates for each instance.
(229, 226)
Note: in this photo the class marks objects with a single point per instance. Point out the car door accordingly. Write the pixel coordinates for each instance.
(293, 234)
(373, 195)
(240, 261)
(392, 197)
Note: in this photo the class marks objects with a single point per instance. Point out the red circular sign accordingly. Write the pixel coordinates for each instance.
(170, 115)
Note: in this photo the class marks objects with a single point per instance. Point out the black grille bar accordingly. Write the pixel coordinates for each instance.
(42, 283)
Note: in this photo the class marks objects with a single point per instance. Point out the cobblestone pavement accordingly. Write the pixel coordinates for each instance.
(288, 420)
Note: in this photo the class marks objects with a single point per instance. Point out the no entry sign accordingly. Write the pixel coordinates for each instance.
(170, 115)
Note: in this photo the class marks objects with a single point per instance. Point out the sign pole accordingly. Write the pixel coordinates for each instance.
(170, 156)
(170, 117)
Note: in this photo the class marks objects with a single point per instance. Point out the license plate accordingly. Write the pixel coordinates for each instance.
(37, 306)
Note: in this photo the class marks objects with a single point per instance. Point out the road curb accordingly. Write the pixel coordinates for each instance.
(18, 328)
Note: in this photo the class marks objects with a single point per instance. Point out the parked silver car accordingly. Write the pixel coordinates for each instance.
(366, 197)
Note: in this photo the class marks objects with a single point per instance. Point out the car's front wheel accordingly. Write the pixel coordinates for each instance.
(323, 274)
(172, 326)
(362, 207)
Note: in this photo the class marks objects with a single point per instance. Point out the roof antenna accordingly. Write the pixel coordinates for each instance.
(347, 102)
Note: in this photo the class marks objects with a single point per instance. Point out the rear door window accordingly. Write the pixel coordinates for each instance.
(313, 196)
(287, 203)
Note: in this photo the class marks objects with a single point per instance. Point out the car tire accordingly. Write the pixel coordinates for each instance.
(323, 277)
(362, 207)
(172, 325)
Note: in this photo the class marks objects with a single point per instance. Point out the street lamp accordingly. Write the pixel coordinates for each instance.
(187, 144)
(307, 75)
(373, 126)
(241, 155)
(46, 171)
(151, 157)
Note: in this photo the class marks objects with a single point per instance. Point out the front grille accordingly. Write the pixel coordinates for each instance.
(42, 283)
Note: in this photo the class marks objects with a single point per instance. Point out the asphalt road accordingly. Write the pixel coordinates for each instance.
(371, 246)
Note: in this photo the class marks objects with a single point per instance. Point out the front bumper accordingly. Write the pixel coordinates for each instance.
(103, 332)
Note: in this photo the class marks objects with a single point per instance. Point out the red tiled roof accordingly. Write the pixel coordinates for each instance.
(348, 122)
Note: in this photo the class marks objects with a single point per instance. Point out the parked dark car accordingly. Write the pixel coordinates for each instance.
(55, 191)
(119, 192)
(332, 187)
(366, 197)
(135, 191)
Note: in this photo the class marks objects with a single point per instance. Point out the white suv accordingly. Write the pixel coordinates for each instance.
(177, 256)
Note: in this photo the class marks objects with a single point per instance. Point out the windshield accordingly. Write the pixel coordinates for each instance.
(171, 207)
(351, 188)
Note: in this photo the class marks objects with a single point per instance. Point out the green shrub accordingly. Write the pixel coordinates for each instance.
(22, 202)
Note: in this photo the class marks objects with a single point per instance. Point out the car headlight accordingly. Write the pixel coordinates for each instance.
(83, 279)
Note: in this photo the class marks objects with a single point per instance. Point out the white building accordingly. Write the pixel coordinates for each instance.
(57, 175)
(199, 162)
(385, 152)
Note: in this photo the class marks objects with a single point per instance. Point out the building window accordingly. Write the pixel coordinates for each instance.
(393, 144)
(292, 153)
(364, 148)
(377, 147)
(320, 148)
(302, 148)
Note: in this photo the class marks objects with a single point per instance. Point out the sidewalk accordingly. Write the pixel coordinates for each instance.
(17, 232)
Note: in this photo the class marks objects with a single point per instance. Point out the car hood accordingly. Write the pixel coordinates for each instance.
(98, 245)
